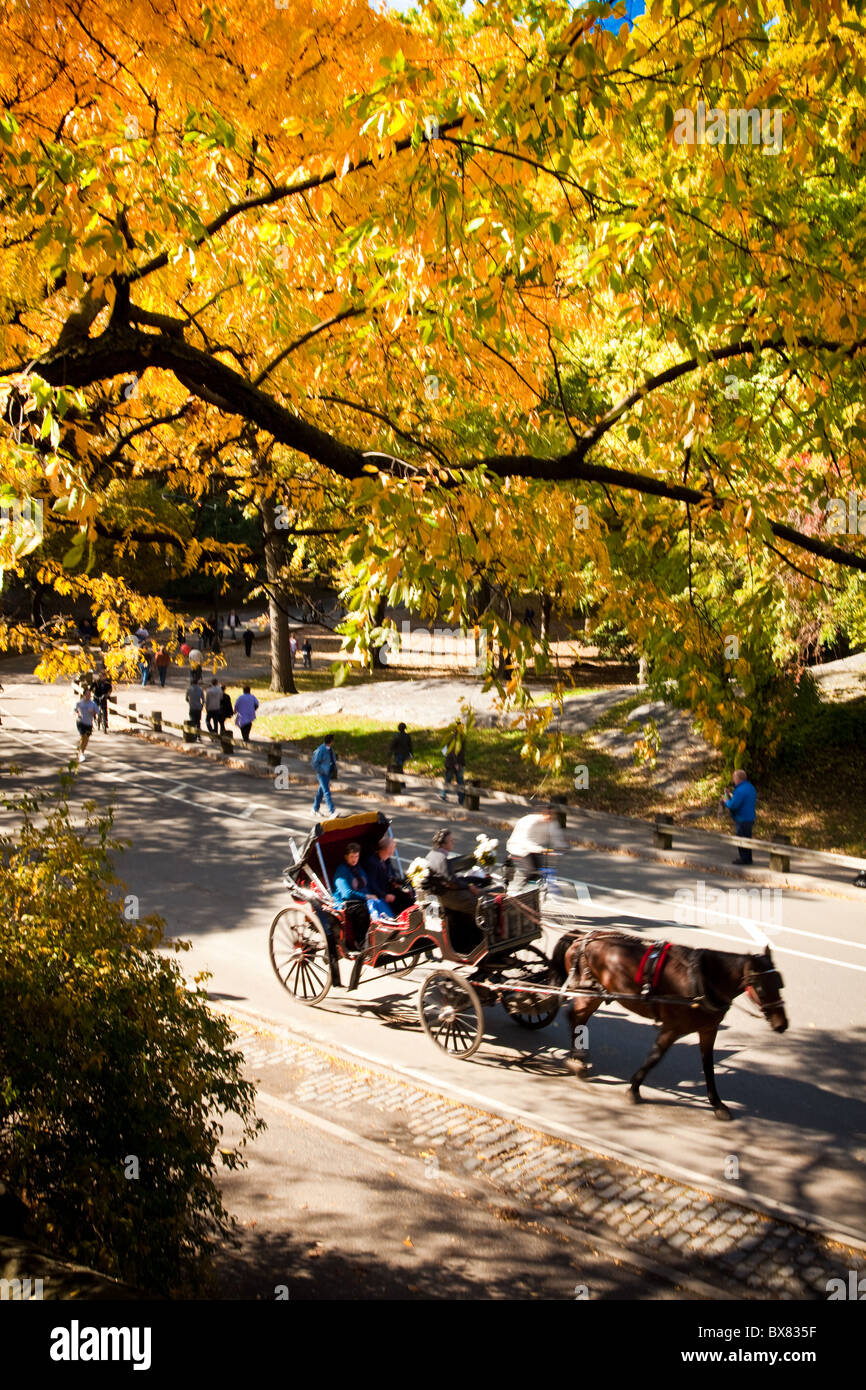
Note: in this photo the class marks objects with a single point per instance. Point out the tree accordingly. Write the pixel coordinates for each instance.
(114, 1075)
(446, 258)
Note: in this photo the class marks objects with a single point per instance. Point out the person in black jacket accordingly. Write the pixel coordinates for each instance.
(401, 748)
(226, 710)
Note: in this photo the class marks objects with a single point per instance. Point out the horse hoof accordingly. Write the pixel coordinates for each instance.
(577, 1066)
(721, 1112)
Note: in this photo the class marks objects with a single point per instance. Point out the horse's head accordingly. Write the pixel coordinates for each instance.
(763, 985)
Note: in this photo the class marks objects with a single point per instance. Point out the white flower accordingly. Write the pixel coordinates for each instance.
(485, 850)
(417, 872)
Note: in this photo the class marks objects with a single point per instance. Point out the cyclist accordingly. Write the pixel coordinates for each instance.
(532, 838)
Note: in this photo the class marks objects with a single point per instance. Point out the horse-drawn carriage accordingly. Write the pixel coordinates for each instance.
(489, 957)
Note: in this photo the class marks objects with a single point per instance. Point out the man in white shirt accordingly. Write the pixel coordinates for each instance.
(532, 838)
(86, 711)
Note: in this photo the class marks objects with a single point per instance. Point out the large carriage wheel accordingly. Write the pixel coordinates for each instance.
(450, 1013)
(527, 1009)
(300, 954)
(401, 965)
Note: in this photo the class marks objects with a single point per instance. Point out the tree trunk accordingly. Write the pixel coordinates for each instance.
(282, 677)
(546, 614)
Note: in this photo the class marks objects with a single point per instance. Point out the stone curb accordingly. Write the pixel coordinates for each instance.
(742, 1247)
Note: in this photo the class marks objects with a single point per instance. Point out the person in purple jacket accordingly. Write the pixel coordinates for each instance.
(245, 712)
(741, 807)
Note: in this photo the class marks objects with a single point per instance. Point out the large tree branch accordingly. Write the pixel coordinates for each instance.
(127, 350)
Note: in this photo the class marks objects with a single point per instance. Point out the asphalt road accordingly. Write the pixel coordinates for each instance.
(208, 847)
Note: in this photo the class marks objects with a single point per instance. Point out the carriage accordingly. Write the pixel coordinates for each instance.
(485, 959)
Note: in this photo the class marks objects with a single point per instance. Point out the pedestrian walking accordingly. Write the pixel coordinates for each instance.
(145, 664)
(213, 698)
(293, 647)
(248, 641)
(740, 805)
(455, 760)
(307, 652)
(162, 661)
(324, 762)
(245, 712)
(220, 626)
(226, 708)
(195, 699)
(401, 748)
(86, 711)
(233, 625)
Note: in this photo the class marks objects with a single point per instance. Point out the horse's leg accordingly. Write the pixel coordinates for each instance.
(708, 1042)
(664, 1038)
(580, 1008)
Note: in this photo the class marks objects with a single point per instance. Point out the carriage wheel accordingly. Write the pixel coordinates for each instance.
(300, 955)
(532, 1010)
(450, 1013)
(401, 965)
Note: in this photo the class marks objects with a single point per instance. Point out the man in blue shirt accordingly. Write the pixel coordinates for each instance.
(325, 764)
(741, 806)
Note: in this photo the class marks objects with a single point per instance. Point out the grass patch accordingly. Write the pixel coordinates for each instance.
(819, 800)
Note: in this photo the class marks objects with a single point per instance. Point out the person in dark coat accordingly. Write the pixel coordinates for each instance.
(383, 879)
(248, 641)
(401, 748)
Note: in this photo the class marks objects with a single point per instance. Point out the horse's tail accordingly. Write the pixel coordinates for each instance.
(557, 960)
(562, 948)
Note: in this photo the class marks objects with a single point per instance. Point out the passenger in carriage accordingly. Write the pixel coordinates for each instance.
(352, 892)
(382, 878)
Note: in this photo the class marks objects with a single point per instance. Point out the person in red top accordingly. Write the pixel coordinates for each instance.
(162, 662)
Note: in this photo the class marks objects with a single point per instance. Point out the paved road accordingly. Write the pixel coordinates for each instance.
(208, 847)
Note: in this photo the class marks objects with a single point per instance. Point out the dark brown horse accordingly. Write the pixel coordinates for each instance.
(706, 981)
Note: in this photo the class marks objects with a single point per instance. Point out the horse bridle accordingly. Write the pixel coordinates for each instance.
(755, 991)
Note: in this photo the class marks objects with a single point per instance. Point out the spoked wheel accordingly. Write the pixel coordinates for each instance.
(401, 965)
(530, 966)
(451, 1014)
(300, 955)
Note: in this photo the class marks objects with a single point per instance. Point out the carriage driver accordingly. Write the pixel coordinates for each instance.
(532, 838)
(352, 891)
(452, 891)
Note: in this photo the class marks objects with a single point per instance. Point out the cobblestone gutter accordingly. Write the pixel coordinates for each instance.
(737, 1249)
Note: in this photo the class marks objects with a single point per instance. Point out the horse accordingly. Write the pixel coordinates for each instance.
(705, 981)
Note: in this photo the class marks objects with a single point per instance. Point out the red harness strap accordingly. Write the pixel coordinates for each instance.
(660, 952)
